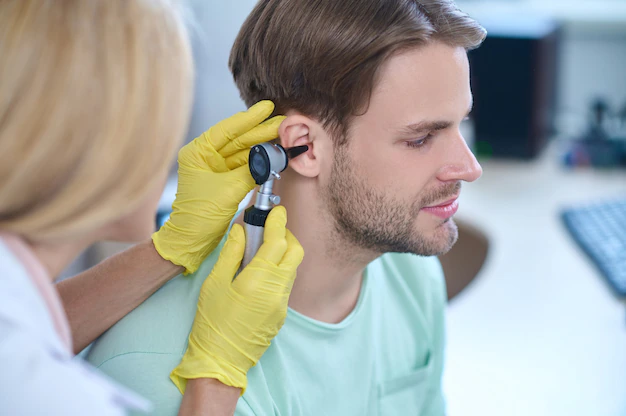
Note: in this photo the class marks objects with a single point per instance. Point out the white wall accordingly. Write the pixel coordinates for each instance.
(216, 24)
(591, 65)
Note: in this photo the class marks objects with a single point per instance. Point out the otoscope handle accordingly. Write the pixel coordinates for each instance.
(254, 227)
(254, 239)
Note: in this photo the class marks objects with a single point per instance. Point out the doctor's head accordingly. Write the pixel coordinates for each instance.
(378, 90)
(94, 101)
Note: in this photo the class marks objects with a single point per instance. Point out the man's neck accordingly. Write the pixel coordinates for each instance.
(329, 279)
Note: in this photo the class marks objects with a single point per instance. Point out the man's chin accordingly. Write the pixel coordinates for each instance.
(441, 239)
(451, 235)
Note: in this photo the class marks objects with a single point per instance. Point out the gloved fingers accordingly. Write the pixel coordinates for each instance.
(238, 159)
(239, 179)
(231, 128)
(274, 237)
(230, 258)
(264, 132)
(198, 154)
(294, 254)
(289, 265)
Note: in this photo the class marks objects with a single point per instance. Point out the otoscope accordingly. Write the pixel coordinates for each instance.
(266, 162)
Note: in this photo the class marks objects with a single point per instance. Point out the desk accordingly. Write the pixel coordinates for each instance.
(538, 332)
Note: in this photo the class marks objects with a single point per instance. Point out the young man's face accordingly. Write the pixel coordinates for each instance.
(393, 187)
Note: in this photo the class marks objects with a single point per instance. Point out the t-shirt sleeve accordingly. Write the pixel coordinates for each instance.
(148, 375)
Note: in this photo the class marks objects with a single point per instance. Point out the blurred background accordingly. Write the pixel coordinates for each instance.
(537, 282)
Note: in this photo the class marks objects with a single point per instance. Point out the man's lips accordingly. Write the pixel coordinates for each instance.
(448, 202)
(444, 210)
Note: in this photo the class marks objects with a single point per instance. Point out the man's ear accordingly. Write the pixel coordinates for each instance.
(298, 130)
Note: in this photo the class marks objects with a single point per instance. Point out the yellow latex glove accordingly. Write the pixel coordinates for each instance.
(236, 319)
(213, 178)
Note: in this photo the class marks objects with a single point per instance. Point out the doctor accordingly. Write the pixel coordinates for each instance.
(94, 100)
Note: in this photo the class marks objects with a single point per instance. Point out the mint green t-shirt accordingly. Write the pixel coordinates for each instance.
(385, 358)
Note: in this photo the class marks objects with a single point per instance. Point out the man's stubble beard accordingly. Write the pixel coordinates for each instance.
(370, 220)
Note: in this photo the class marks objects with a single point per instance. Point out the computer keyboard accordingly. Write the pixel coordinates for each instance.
(600, 229)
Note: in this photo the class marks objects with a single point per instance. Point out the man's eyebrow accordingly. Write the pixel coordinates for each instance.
(423, 126)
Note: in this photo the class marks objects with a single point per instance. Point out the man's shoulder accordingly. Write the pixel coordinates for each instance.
(161, 324)
(147, 374)
(143, 348)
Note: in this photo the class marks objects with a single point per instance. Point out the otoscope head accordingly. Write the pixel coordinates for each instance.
(268, 159)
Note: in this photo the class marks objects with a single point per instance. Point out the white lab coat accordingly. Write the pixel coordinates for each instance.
(38, 375)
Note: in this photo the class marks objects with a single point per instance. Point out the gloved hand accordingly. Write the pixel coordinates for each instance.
(236, 319)
(213, 178)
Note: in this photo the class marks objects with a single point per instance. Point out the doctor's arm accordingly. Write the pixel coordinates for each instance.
(99, 297)
(209, 397)
(213, 178)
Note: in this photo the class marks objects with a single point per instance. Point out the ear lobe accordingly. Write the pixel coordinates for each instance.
(296, 130)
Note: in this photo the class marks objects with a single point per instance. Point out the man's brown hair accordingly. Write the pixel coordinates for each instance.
(321, 57)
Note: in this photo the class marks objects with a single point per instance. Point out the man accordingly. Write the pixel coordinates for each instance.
(377, 89)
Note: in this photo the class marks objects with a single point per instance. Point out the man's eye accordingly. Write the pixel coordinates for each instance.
(419, 142)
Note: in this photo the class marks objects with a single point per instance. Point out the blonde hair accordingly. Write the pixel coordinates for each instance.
(95, 98)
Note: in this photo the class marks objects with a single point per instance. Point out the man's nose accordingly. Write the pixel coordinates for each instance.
(461, 163)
